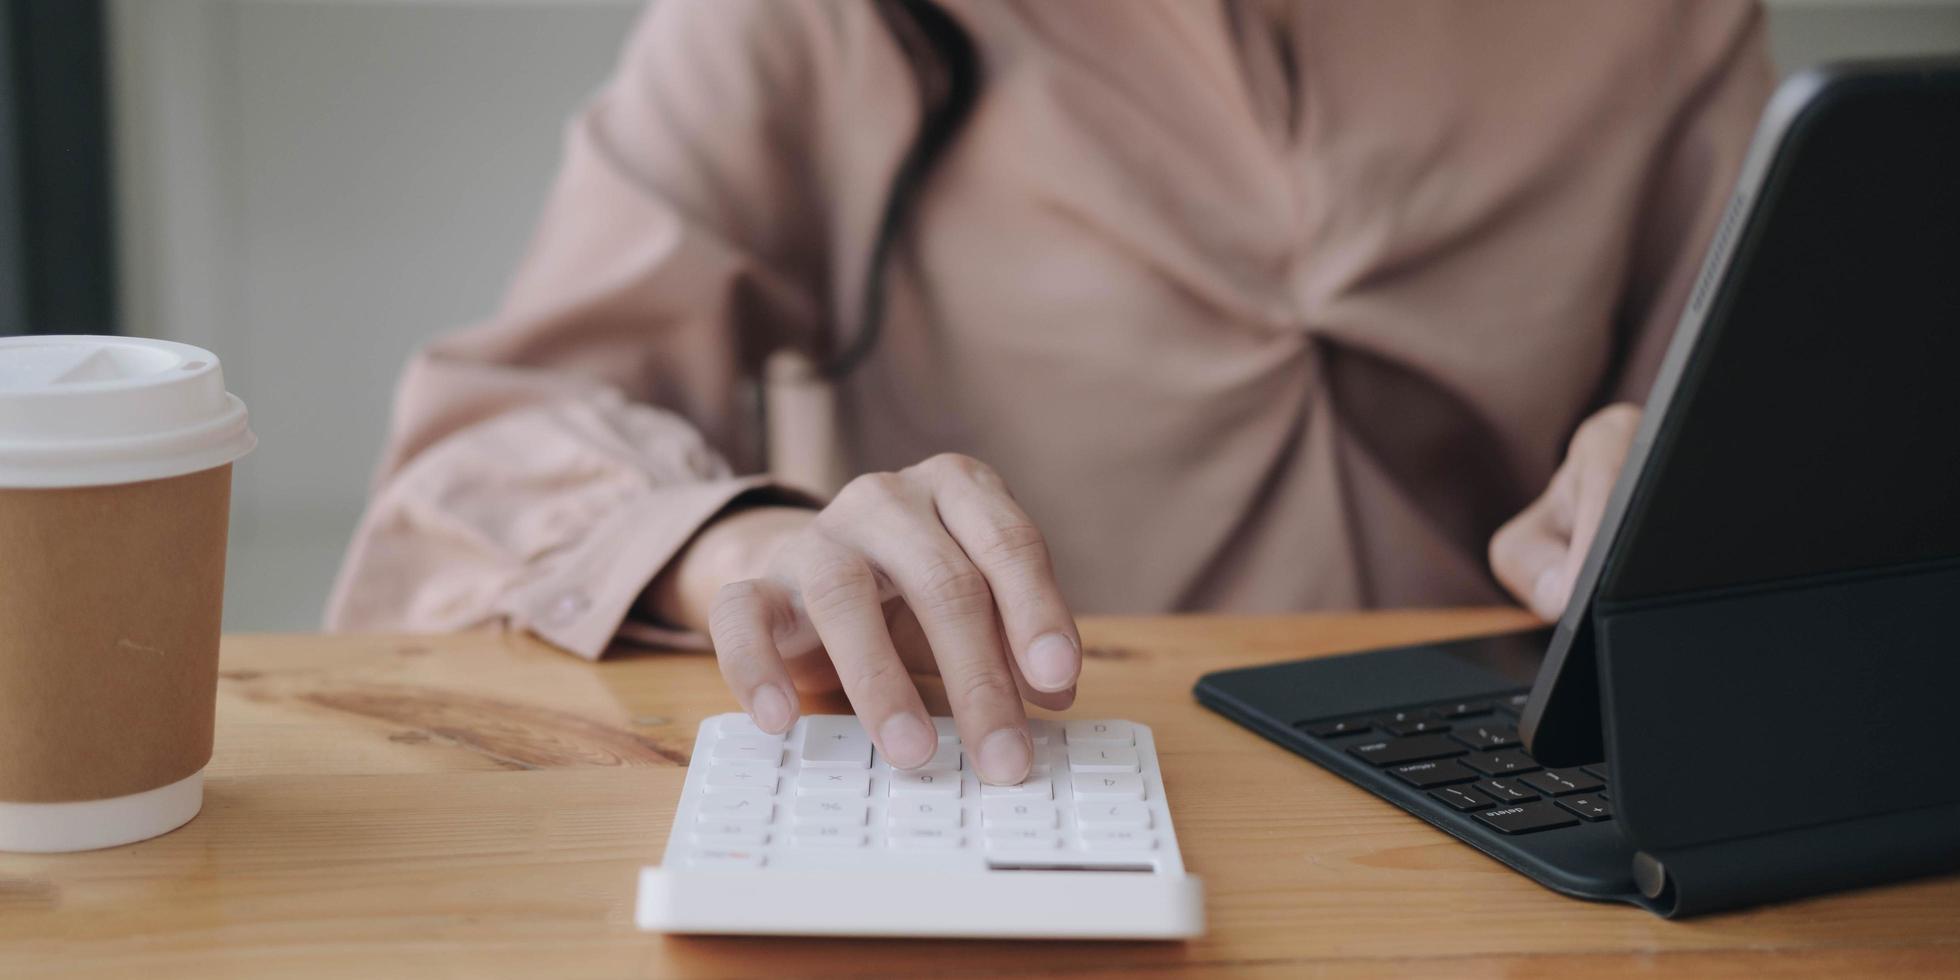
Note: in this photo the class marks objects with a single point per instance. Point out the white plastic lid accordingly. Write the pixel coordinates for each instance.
(90, 411)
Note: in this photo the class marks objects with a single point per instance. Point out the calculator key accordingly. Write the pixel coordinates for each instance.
(1559, 782)
(1507, 763)
(722, 857)
(734, 806)
(1018, 813)
(727, 834)
(1486, 736)
(1417, 748)
(1031, 788)
(741, 777)
(741, 725)
(1113, 815)
(833, 782)
(1118, 840)
(1335, 729)
(926, 838)
(1589, 808)
(1507, 790)
(925, 813)
(827, 835)
(926, 782)
(1461, 798)
(1463, 709)
(834, 810)
(1439, 772)
(1523, 818)
(1023, 839)
(947, 756)
(1107, 786)
(1111, 732)
(1043, 731)
(1416, 727)
(1097, 757)
(835, 742)
(948, 729)
(756, 749)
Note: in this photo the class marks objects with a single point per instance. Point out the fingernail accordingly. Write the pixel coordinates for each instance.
(1005, 756)
(907, 741)
(769, 706)
(1545, 595)
(1052, 662)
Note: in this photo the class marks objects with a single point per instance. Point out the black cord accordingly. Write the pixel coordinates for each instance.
(947, 69)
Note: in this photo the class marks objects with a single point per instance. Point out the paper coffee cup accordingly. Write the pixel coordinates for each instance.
(115, 489)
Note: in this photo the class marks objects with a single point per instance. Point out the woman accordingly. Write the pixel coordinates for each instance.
(1253, 305)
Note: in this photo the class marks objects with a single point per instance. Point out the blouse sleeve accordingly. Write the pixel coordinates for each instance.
(541, 468)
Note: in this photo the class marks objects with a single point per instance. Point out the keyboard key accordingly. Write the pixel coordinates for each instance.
(1042, 731)
(1589, 807)
(762, 750)
(1099, 732)
(721, 857)
(827, 835)
(725, 834)
(1335, 729)
(1524, 818)
(1107, 786)
(1020, 813)
(1515, 703)
(1133, 815)
(1032, 788)
(925, 813)
(1439, 772)
(1097, 757)
(1409, 714)
(1506, 763)
(830, 810)
(1598, 771)
(926, 838)
(1560, 782)
(833, 782)
(948, 730)
(1393, 751)
(1462, 798)
(1118, 840)
(835, 742)
(1463, 709)
(1507, 791)
(741, 777)
(734, 806)
(1486, 736)
(1023, 839)
(926, 782)
(947, 756)
(1416, 727)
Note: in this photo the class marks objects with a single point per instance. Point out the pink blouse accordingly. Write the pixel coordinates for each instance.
(1255, 306)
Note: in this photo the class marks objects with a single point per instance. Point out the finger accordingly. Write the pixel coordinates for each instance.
(955, 608)
(742, 625)
(1526, 554)
(910, 639)
(842, 599)
(1597, 470)
(1010, 552)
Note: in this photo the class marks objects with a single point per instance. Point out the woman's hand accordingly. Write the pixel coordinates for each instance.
(933, 569)
(1537, 554)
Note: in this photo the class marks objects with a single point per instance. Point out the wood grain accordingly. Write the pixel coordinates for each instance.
(479, 805)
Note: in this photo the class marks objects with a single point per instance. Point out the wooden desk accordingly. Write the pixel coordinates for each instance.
(479, 805)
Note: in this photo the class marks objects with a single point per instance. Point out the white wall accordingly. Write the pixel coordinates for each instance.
(312, 187)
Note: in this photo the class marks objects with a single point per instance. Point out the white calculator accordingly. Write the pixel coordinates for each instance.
(812, 833)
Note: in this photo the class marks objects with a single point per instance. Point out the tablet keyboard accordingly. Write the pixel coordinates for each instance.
(813, 833)
(1468, 757)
